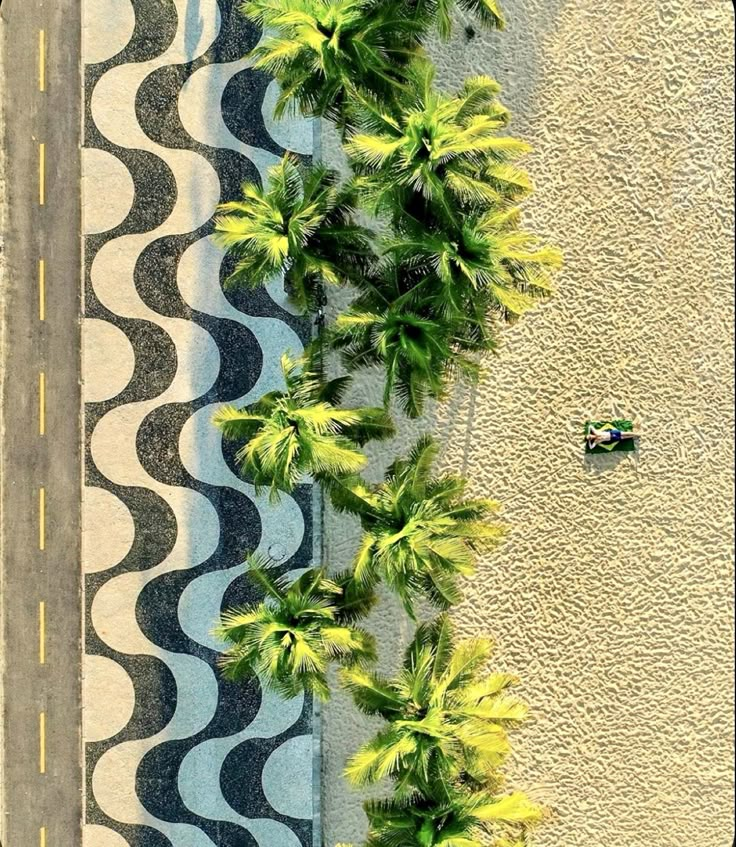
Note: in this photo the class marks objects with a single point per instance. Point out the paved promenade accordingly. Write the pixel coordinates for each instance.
(167, 753)
(175, 121)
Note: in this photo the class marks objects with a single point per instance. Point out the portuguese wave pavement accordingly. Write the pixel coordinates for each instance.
(175, 120)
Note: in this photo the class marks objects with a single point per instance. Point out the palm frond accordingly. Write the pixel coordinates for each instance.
(297, 432)
(237, 423)
(512, 808)
(299, 224)
(290, 638)
(445, 727)
(326, 54)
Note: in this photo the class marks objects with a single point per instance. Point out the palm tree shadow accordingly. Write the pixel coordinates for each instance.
(192, 28)
(456, 424)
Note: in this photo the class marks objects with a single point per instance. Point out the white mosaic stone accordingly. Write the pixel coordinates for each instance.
(108, 360)
(109, 697)
(108, 530)
(108, 190)
(100, 836)
(287, 777)
(107, 26)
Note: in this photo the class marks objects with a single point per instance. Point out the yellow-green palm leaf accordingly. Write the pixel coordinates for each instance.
(420, 533)
(290, 639)
(324, 53)
(298, 432)
(299, 225)
(434, 151)
(460, 818)
(446, 724)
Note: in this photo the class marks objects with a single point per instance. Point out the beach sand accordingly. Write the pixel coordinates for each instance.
(611, 596)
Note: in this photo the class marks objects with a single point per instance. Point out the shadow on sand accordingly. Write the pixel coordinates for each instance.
(600, 463)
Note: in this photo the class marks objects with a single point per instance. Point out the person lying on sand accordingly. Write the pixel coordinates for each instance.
(606, 436)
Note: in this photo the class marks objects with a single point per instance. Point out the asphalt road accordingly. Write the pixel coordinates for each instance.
(41, 464)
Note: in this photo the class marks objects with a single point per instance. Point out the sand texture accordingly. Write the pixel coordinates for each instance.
(611, 596)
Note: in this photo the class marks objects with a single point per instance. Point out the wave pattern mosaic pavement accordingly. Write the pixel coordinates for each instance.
(175, 120)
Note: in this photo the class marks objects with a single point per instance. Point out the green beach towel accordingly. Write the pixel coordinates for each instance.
(626, 445)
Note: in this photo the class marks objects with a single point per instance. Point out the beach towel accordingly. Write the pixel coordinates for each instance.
(626, 445)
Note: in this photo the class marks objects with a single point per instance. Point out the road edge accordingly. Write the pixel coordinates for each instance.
(3, 218)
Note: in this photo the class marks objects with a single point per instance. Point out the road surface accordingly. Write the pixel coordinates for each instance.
(41, 478)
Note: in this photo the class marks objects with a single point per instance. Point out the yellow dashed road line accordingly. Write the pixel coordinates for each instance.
(42, 633)
(41, 174)
(42, 418)
(41, 518)
(42, 742)
(41, 290)
(42, 403)
(41, 60)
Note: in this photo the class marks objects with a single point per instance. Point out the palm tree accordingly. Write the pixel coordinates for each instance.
(325, 52)
(439, 13)
(300, 225)
(446, 722)
(289, 640)
(463, 818)
(419, 532)
(397, 323)
(435, 152)
(485, 261)
(299, 431)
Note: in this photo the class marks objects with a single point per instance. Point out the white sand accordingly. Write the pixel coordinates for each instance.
(611, 597)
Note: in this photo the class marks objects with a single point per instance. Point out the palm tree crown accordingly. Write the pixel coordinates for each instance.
(441, 170)
(325, 52)
(300, 225)
(436, 151)
(439, 13)
(289, 639)
(463, 818)
(396, 322)
(484, 264)
(298, 431)
(447, 724)
(419, 532)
